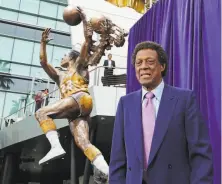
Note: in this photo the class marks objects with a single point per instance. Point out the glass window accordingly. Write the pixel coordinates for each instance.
(19, 69)
(46, 23)
(62, 40)
(62, 26)
(22, 51)
(31, 6)
(16, 84)
(35, 60)
(14, 4)
(63, 1)
(53, 0)
(48, 9)
(4, 66)
(8, 15)
(40, 84)
(60, 12)
(2, 97)
(38, 72)
(38, 35)
(28, 19)
(6, 82)
(24, 32)
(6, 45)
(53, 87)
(13, 102)
(7, 29)
(58, 54)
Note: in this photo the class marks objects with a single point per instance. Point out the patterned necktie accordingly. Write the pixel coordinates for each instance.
(148, 125)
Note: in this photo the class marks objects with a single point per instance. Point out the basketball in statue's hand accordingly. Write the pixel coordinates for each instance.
(71, 15)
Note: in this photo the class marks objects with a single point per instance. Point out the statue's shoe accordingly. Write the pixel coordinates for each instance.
(54, 153)
(100, 177)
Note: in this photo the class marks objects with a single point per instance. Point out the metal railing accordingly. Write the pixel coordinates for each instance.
(29, 109)
(108, 76)
(115, 77)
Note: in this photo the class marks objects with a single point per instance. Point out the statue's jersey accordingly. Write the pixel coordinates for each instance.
(72, 84)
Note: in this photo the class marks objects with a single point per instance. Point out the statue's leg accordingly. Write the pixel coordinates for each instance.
(65, 108)
(80, 130)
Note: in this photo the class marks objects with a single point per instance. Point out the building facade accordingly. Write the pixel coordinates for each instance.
(21, 26)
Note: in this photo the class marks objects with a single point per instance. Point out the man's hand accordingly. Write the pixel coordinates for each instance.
(45, 36)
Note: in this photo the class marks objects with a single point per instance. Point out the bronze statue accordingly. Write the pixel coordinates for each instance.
(76, 102)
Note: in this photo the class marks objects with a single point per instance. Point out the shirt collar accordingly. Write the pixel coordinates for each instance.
(157, 91)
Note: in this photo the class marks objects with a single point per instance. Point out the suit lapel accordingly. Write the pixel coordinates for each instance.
(167, 105)
(136, 124)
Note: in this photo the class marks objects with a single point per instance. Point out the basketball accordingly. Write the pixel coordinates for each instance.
(71, 16)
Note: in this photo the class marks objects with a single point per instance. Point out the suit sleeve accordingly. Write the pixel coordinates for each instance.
(117, 167)
(200, 151)
(114, 64)
(104, 64)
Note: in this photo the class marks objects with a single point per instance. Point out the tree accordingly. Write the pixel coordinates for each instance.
(18, 104)
(5, 82)
(4, 66)
(15, 107)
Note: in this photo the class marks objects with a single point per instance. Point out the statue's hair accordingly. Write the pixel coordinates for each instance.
(73, 54)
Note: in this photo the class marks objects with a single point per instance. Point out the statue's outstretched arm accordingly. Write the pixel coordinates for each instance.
(99, 50)
(110, 34)
(88, 32)
(50, 70)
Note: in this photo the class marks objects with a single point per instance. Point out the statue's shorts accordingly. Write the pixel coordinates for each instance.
(84, 100)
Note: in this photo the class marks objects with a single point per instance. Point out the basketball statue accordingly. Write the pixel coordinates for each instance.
(76, 102)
